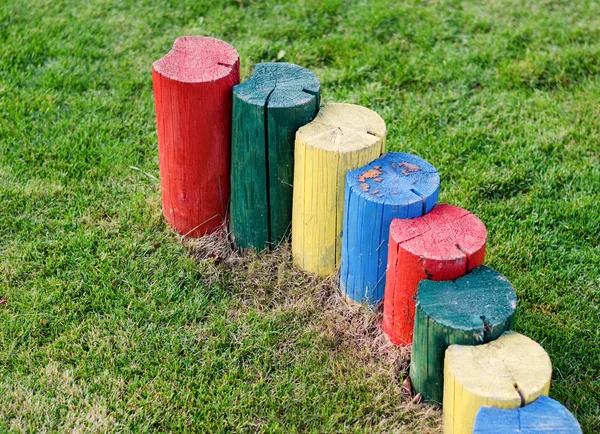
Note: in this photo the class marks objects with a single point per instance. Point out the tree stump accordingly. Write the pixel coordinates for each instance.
(544, 415)
(397, 185)
(193, 95)
(472, 310)
(442, 245)
(510, 372)
(268, 109)
(340, 138)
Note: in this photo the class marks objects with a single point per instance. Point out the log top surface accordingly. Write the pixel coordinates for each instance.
(481, 297)
(396, 178)
(197, 59)
(512, 368)
(340, 127)
(544, 415)
(446, 233)
(279, 85)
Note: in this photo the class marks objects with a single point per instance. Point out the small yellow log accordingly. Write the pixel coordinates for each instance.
(509, 372)
(342, 137)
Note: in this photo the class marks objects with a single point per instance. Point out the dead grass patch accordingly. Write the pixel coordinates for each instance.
(270, 281)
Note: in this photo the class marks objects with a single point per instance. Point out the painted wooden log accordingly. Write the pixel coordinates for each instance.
(397, 185)
(442, 245)
(340, 138)
(510, 372)
(268, 109)
(193, 95)
(544, 415)
(472, 310)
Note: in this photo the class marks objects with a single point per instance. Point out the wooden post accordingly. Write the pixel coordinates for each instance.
(442, 245)
(544, 415)
(340, 138)
(472, 310)
(397, 185)
(268, 109)
(192, 93)
(510, 372)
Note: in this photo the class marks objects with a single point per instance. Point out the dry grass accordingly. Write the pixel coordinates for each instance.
(270, 282)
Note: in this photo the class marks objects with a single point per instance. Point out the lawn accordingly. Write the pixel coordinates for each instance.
(113, 323)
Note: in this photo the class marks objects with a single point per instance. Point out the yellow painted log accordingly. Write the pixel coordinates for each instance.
(342, 137)
(509, 372)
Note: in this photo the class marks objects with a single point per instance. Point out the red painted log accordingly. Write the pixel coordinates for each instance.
(443, 244)
(193, 91)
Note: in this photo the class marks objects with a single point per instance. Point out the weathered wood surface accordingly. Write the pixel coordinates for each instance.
(510, 372)
(442, 245)
(340, 138)
(268, 109)
(543, 416)
(193, 95)
(472, 310)
(397, 185)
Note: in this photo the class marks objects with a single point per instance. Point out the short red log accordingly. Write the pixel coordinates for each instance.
(443, 244)
(193, 91)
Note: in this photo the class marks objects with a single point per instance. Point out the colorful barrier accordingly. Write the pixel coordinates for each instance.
(340, 138)
(460, 340)
(268, 109)
(471, 310)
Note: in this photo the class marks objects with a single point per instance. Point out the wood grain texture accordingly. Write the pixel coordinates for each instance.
(442, 245)
(268, 109)
(472, 310)
(543, 416)
(340, 138)
(193, 96)
(509, 372)
(397, 185)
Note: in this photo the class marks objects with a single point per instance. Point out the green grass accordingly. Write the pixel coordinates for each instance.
(111, 326)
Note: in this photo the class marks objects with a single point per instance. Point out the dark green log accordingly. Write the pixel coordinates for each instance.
(268, 109)
(472, 310)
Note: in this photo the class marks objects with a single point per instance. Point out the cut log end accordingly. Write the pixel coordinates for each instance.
(198, 59)
(344, 128)
(544, 415)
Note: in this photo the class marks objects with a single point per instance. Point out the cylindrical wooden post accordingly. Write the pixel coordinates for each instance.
(442, 245)
(544, 415)
(268, 109)
(472, 310)
(340, 138)
(397, 185)
(192, 93)
(510, 372)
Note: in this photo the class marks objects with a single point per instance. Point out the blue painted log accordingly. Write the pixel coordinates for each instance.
(397, 185)
(544, 415)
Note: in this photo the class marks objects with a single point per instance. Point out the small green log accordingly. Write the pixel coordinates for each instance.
(268, 109)
(472, 310)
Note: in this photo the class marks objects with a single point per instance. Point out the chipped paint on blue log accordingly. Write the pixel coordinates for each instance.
(268, 109)
(544, 415)
(397, 185)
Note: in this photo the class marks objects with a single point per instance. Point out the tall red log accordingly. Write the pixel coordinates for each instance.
(193, 89)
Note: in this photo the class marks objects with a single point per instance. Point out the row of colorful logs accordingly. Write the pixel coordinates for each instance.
(321, 171)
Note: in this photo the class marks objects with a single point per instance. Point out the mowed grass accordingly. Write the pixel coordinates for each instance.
(111, 324)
